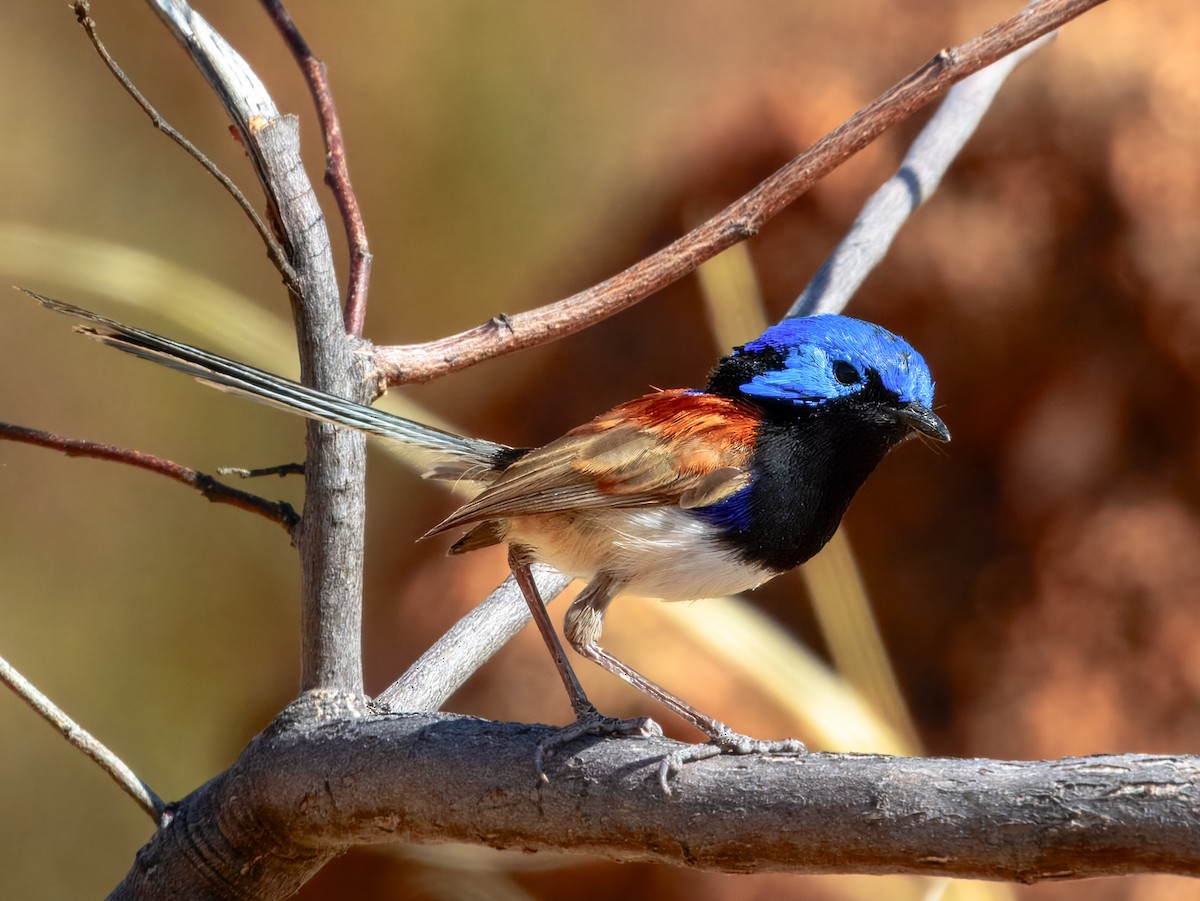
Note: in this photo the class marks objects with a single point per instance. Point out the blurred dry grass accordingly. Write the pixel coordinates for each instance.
(1035, 583)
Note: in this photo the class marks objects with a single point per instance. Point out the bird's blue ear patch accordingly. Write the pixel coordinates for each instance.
(805, 377)
(814, 359)
(732, 514)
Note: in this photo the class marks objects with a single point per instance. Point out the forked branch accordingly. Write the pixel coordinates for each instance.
(330, 538)
(421, 778)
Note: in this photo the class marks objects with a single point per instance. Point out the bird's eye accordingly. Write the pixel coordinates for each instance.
(845, 373)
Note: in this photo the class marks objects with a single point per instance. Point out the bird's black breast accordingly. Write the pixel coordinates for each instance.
(805, 470)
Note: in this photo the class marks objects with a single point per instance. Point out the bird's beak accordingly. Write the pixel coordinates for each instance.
(922, 419)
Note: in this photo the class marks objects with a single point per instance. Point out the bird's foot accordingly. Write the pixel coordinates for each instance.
(590, 721)
(730, 742)
(723, 741)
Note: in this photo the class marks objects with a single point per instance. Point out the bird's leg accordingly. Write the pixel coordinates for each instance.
(518, 563)
(582, 627)
(587, 718)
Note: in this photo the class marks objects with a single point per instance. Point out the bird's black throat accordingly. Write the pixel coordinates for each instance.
(807, 466)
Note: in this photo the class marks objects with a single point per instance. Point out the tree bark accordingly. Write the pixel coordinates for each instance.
(317, 785)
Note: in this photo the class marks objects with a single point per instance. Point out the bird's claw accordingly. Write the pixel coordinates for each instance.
(593, 722)
(730, 742)
(724, 741)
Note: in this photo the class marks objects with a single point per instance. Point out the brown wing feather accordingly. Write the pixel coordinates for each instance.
(679, 447)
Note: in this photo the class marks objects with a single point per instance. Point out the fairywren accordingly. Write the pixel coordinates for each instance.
(677, 495)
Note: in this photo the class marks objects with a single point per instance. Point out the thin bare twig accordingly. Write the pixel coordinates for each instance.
(274, 248)
(281, 470)
(85, 742)
(414, 363)
(217, 492)
(337, 174)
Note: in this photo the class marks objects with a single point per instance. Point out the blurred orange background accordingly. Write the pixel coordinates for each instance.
(1035, 583)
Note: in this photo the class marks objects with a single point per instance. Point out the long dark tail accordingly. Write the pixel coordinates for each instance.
(465, 456)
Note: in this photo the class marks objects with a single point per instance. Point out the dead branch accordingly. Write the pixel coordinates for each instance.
(427, 778)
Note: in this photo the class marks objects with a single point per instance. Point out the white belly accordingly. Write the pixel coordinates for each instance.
(657, 552)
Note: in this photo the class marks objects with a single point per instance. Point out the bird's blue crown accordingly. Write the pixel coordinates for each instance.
(810, 360)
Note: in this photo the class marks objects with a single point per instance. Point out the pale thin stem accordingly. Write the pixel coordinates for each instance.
(84, 741)
(843, 610)
(330, 538)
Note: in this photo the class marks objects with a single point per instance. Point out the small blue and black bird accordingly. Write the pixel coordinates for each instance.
(677, 495)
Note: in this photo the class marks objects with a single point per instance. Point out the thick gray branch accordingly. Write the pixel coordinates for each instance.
(435, 778)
